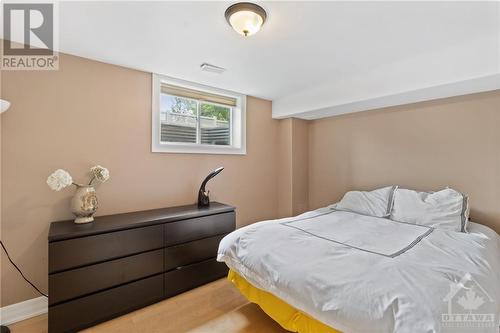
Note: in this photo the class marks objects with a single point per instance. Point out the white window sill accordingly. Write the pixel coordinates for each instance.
(196, 149)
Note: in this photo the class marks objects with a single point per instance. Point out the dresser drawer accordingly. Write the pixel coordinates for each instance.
(191, 252)
(188, 277)
(87, 311)
(201, 227)
(92, 249)
(82, 281)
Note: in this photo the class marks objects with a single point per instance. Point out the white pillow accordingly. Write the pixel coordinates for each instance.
(376, 203)
(445, 209)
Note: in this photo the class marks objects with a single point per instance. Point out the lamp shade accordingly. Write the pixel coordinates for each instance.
(4, 105)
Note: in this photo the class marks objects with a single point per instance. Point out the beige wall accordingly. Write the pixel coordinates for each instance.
(293, 181)
(300, 166)
(285, 160)
(427, 146)
(88, 113)
(2, 255)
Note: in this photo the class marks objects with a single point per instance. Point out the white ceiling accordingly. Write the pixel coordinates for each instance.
(311, 58)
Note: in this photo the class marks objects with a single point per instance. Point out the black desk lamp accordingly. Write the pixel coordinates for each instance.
(203, 199)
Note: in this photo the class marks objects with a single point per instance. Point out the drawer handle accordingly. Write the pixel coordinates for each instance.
(179, 268)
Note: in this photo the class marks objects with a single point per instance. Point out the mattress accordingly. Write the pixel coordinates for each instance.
(284, 314)
(362, 274)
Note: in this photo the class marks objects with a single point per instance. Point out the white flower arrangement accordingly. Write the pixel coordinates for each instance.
(60, 178)
(100, 173)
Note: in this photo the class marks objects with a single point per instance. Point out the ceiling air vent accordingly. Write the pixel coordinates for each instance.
(212, 68)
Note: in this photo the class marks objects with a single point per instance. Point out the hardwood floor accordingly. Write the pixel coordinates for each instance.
(214, 308)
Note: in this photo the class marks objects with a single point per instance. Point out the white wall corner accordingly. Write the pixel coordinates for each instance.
(16, 312)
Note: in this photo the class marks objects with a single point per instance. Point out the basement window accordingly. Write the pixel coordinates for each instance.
(192, 118)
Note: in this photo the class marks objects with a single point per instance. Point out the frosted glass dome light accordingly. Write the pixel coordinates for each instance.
(246, 18)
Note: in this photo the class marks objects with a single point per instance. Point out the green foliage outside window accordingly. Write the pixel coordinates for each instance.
(183, 106)
(187, 106)
(219, 112)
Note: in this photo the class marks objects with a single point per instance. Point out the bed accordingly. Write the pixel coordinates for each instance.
(332, 271)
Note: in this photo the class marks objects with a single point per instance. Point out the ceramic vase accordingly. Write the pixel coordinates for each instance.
(84, 204)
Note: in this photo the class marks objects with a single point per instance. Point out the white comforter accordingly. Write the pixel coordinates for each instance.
(363, 274)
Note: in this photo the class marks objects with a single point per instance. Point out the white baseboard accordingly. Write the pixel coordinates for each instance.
(23, 310)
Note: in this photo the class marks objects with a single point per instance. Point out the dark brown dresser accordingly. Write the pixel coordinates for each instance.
(123, 262)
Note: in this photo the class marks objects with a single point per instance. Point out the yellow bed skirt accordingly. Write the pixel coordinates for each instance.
(287, 316)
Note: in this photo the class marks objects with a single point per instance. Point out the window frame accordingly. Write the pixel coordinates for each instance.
(237, 121)
(231, 129)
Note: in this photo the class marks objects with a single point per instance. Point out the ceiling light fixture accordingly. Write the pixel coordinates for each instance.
(246, 18)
